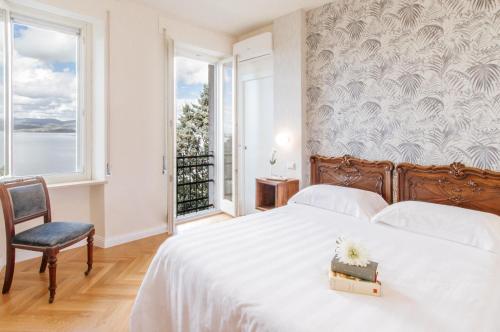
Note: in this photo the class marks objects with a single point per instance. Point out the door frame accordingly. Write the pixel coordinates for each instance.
(169, 150)
(170, 154)
(241, 120)
(182, 51)
(229, 207)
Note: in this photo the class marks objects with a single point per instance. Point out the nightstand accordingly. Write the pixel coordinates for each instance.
(270, 194)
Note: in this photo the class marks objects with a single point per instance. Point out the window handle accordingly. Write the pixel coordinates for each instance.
(164, 166)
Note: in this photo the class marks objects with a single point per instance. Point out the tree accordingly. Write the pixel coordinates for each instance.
(193, 174)
(192, 127)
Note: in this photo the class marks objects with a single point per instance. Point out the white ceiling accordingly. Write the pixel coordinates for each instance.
(233, 17)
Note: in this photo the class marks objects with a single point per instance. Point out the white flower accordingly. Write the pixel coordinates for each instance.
(351, 252)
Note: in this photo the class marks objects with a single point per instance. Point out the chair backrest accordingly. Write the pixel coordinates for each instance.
(23, 200)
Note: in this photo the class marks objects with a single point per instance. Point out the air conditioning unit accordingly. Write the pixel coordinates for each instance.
(254, 47)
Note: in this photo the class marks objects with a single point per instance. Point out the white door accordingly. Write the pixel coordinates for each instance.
(256, 108)
(227, 159)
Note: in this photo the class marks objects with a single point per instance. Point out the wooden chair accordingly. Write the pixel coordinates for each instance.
(27, 199)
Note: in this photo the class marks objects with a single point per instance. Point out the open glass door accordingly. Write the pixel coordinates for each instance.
(195, 139)
(228, 137)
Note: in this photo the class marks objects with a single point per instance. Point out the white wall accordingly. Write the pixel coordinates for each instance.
(289, 91)
(134, 199)
(258, 31)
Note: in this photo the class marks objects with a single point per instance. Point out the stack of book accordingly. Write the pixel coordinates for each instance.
(355, 279)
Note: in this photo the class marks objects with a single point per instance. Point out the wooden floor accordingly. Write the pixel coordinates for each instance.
(100, 302)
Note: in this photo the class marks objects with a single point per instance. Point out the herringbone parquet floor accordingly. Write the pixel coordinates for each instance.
(100, 302)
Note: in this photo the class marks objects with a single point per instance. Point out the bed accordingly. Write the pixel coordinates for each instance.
(269, 271)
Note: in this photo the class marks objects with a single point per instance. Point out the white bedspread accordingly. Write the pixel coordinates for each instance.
(268, 272)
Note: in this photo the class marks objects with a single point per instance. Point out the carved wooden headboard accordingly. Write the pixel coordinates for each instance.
(456, 184)
(347, 171)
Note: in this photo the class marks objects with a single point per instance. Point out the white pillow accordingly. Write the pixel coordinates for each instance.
(357, 203)
(469, 227)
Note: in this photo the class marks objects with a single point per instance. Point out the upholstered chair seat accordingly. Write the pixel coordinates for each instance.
(52, 234)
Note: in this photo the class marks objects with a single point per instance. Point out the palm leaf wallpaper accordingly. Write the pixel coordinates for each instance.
(415, 81)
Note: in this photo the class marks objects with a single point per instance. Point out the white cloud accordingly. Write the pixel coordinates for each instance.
(46, 45)
(41, 92)
(41, 88)
(191, 71)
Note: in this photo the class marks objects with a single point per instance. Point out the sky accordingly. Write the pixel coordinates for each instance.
(190, 76)
(44, 80)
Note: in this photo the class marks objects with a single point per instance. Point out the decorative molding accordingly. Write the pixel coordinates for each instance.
(467, 187)
(456, 169)
(345, 175)
(459, 193)
(352, 172)
(346, 161)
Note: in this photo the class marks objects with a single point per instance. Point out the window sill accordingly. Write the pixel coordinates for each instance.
(77, 184)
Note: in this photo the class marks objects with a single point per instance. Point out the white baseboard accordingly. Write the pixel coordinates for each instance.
(99, 241)
(129, 237)
(24, 255)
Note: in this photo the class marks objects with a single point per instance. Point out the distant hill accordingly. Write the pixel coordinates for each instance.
(44, 125)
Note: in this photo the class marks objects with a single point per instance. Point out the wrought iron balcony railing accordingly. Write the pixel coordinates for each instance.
(195, 183)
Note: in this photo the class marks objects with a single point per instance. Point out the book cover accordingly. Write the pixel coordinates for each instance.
(368, 272)
(345, 283)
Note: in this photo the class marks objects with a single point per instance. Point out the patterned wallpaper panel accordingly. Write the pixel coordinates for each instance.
(415, 81)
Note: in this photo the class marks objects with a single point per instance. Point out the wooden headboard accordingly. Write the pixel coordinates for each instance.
(456, 184)
(348, 171)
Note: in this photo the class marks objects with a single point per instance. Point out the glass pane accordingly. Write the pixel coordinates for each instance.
(2, 94)
(194, 82)
(44, 101)
(227, 119)
(192, 95)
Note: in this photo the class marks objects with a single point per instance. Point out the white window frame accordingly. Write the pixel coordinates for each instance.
(84, 75)
(227, 206)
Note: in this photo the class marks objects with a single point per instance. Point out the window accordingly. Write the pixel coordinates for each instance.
(43, 115)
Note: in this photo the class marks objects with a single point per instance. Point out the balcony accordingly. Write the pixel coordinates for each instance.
(195, 184)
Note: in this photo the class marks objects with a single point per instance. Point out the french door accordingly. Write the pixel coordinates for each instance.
(226, 141)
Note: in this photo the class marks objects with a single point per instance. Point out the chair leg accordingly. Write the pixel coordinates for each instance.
(90, 252)
(52, 274)
(9, 269)
(43, 265)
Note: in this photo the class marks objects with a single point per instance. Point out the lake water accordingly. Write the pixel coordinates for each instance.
(43, 153)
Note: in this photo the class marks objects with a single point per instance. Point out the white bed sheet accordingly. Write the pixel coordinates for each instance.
(268, 272)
